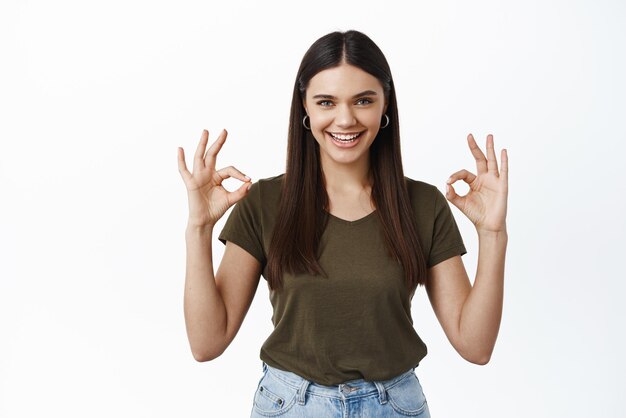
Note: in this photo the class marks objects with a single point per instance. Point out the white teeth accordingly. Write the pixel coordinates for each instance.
(347, 138)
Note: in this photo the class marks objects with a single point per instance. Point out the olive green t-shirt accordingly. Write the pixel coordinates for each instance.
(355, 323)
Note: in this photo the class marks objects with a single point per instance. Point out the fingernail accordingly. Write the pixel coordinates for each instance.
(246, 177)
(249, 187)
(449, 180)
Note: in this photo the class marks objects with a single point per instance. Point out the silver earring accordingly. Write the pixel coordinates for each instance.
(387, 122)
(308, 128)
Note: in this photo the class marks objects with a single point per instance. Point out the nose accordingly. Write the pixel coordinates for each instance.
(344, 117)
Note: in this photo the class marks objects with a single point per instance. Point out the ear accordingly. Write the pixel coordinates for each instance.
(385, 108)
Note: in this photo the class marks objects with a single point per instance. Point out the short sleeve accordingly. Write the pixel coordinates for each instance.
(243, 226)
(446, 241)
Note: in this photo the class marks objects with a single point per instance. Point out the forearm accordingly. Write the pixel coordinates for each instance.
(205, 313)
(482, 311)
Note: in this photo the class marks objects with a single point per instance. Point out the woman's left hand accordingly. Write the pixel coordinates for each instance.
(485, 203)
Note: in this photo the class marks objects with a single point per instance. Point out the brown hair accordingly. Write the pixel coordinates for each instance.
(301, 216)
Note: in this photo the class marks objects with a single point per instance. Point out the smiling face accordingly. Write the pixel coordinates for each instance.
(345, 106)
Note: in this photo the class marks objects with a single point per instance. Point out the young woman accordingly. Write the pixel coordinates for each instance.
(343, 239)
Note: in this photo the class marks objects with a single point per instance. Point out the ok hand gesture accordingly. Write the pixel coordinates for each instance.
(485, 203)
(208, 199)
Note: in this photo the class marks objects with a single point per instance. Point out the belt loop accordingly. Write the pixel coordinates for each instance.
(264, 367)
(302, 391)
(382, 393)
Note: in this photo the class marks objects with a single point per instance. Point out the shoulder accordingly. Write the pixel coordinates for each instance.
(269, 186)
(271, 182)
(422, 191)
(265, 191)
(426, 199)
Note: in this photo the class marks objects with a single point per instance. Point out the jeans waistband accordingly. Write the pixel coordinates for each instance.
(350, 389)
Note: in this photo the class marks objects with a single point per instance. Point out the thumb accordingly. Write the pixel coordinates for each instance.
(240, 193)
(454, 198)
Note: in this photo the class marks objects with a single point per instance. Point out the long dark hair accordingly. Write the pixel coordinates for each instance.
(301, 219)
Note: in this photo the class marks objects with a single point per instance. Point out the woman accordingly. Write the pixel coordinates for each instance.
(343, 239)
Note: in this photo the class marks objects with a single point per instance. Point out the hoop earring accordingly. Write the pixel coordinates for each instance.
(308, 128)
(387, 123)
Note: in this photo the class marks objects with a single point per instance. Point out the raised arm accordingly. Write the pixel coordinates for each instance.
(214, 304)
(471, 315)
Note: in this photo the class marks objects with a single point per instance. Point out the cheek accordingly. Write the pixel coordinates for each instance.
(320, 121)
(319, 136)
(371, 119)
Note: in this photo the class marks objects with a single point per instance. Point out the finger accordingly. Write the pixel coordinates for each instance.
(198, 163)
(504, 171)
(240, 193)
(464, 175)
(492, 163)
(230, 171)
(211, 153)
(454, 198)
(481, 161)
(182, 167)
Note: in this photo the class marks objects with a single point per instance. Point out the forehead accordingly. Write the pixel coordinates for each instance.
(342, 81)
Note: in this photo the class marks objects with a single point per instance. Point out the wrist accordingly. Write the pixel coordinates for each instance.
(199, 225)
(501, 234)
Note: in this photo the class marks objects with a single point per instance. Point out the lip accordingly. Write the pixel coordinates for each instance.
(342, 144)
(345, 133)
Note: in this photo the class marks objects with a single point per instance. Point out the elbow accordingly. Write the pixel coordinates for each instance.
(204, 355)
(478, 358)
(480, 361)
(206, 347)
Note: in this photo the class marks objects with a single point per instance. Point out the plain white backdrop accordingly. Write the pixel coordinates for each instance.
(95, 98)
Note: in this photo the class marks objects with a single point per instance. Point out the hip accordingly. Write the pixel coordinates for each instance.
(285, 394)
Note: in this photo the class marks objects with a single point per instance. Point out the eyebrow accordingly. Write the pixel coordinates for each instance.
(361, 94)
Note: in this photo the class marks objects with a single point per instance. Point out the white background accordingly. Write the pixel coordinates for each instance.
(95, 98)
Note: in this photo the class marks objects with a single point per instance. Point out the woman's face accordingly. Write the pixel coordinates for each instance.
(345, 107)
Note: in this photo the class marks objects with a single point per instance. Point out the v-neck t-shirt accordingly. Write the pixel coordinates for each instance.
(356, 322)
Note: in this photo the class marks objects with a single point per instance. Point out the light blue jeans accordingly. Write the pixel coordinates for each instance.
(284, 394)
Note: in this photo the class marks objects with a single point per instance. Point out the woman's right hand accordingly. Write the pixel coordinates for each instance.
(208, 199)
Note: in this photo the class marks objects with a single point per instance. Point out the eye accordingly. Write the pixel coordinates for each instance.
(325, 103)
(364, 100)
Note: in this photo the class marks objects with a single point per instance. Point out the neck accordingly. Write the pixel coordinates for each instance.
(347, 178)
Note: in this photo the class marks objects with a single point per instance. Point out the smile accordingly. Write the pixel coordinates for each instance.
(347, 137)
